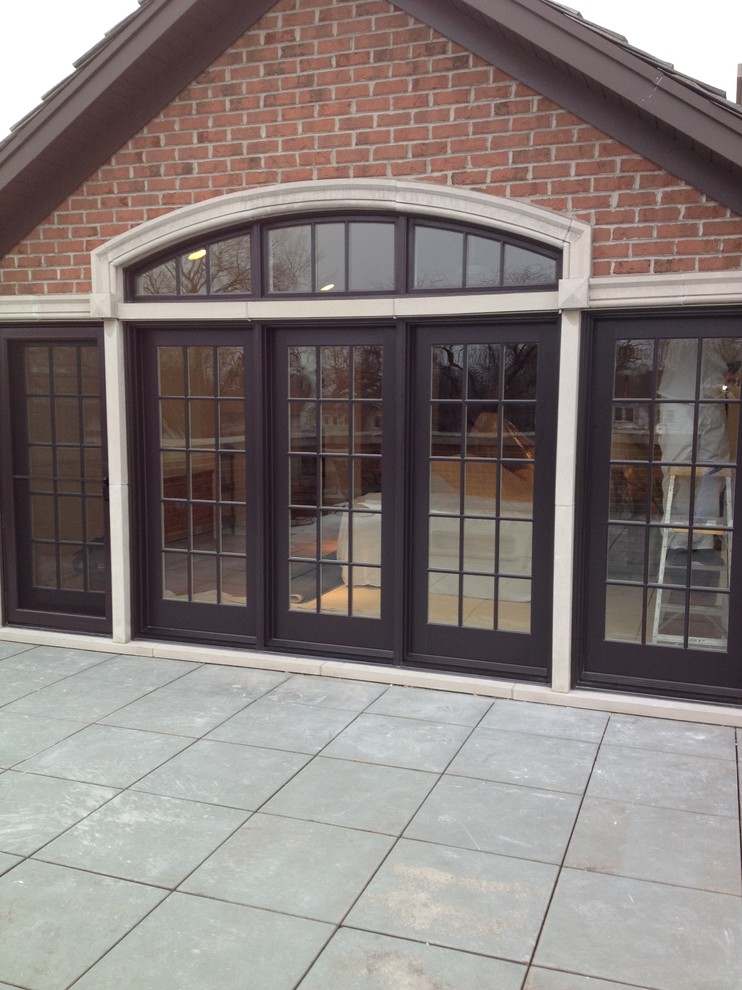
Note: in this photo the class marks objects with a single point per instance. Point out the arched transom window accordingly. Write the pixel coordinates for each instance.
(365, 254)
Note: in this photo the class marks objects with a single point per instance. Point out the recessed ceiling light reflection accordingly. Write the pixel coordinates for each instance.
(327, 288)
(196, 255)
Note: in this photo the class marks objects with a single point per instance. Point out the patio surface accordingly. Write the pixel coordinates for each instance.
(167, 825)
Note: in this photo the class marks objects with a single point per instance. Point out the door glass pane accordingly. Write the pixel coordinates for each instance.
(171, 370)
(64, 496)
(203, 483)
(231, 371)
(335, 524)
(482, 494)
(672, 490)
(367, 371)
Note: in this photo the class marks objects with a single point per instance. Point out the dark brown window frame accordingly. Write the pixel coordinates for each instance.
(404, 227)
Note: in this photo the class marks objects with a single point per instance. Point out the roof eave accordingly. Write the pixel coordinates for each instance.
(167, 41)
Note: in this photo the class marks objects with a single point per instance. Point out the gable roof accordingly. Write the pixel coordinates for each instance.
(144, 62)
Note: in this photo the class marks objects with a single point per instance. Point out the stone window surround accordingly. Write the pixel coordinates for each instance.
(577, 293)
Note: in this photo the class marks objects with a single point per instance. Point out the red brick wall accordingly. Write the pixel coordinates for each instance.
(358, 89)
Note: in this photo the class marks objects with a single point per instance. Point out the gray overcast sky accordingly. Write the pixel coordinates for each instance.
(40, 39)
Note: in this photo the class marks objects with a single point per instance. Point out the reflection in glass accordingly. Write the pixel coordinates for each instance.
(445, 429)
(71, 567)
(44, 565)
(200, 370)
(335, 594)
(38, 380)
(334, 486)
(70, 518)
(478, 597)
(447, 379)
(234, 529)
(232, 477)
(42, 517)
(201, 422)
(41, 469)
(233, 580)
(229, 266)
(170, 370)
(483, 371)
(39, 419)
(334, 474)
(478, 493)
(175, 575)
(290, 259)
(204, 586)
(623, 613)
(524, 267)
(520, 370)
(634, 369)
(672, 463)
(514, 605)
(371, 257)
(439, 258)
(172, 422)
(515, 547)
(231, 365)
(330, 257)
(64, 459)
(90, 371)
(64, 362)
(67, 420)
(232, 424)
(482, 262)
(633, 486)
(367, 370)
(335, 426)
(479, 545)
(367, 427)
(335, 372)
(193, 274)
(302, 372)
(158, 281)
(626, 555)
(200, 485)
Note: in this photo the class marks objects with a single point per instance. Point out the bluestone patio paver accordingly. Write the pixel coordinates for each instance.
(224, 773)
(35, 809)
(295, 867)
(202, 827)
(357, 960)
(145, 837)
(192, 943)
(58, 922)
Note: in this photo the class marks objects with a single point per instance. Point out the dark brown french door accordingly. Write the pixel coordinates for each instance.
(334, 471)
(374, 491)
(56, 554)
(663, 587)
(483, 494)
(197, 528)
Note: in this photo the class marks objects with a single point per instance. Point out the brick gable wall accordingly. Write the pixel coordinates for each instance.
(347, 89)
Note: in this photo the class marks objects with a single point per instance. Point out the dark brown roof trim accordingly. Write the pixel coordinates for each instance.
(143, 63)
(667, 117)
(120, 85)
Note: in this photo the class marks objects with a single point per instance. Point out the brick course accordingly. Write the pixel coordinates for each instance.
(360, 89)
